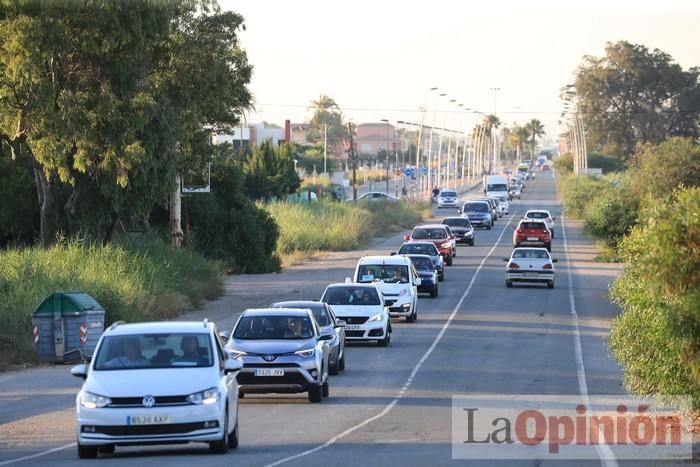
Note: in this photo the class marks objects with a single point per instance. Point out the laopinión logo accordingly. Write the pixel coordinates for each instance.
(571, 427)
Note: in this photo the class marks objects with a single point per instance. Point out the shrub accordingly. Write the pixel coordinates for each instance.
(140, 282)
(610, 215)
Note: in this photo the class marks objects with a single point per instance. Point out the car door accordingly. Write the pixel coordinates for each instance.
(340, 332)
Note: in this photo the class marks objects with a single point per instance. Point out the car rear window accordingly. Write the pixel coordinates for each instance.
(162, 350)
(456, 222)
(537, 215)
(318, 309)
(429, 233)
(273, 327)
(533, 225)
(530, 254)
(418, 249)
(350, 295)
(476, 207)
(422, 264)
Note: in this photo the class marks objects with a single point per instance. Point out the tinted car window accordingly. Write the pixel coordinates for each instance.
(418, 249)
(531, 254)
(537, 215)
(456, 222)
(351, 296)
(273, 327)
(386, 272)
(318, 309)
(532, 225)
(435, 233)
(172, 350)
(449, 194)
(422, 264)
(476, 207)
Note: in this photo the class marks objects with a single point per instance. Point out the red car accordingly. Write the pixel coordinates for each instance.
(532, 233)
(437, 234)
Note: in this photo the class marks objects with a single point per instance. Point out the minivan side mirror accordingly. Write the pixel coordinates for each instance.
(80, 371)
(417, 282)
(505, 259)
(340, 324)
(406, 237)
(393, 253)
(232, 364)
(554, 260)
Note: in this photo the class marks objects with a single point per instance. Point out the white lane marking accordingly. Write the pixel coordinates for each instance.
(38, 454)
(416, 368)
(607, 457)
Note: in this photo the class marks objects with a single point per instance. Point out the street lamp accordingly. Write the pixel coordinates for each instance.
(430, 141)
(386, 154)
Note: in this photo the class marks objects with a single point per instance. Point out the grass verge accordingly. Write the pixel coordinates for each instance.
(148, 281)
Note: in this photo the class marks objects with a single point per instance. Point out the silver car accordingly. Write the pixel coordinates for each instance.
(283, 351)
(329, 324)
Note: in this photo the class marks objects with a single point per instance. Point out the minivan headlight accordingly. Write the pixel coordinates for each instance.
(93, 401)
(233, 353)
(306, 353)
(206, 397)
(377, 317)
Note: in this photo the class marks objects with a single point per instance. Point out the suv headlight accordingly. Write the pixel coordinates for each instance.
(306, 353)
(93, 401)
(236, 353)
(377, 317)
(206, 397)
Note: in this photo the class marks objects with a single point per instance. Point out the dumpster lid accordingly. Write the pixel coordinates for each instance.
(70, 302)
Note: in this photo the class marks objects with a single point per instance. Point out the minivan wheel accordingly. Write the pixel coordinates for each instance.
(325, 389)
(221, 446)
(233, 438)
(386, 341)
(434, 291)
(315, 394)
(341, 364)
(335, 368)
(87, 452)
(441, 276)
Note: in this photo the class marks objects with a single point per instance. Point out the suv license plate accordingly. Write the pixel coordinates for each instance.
(269, 372)
(353, 327)
(532, 239)
(147, 419)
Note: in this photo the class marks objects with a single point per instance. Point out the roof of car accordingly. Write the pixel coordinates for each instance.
(418, 242)
(529, 221)
(429, 226)
(536, 210)
(297, 304)
(383, 260)
(412, 255)
(158, 327)
(275, 312)
(371, 285)
(454, 218)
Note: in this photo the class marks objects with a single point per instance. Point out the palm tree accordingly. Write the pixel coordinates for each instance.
(519, 136)
(323, 104)
(535, 129)
(491, 122)
(327, 117)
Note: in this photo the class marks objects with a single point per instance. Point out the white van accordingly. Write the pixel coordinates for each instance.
(396, 278)
(496, 185)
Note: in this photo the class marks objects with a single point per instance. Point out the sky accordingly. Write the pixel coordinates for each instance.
(378, 59)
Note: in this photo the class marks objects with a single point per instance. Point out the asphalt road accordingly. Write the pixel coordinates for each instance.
(392, 405)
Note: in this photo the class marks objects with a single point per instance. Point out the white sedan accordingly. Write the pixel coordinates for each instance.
(541, 215)
(527, 264)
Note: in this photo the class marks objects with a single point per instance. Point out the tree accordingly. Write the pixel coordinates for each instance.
(519, 136)
(327, 117)
(269, 172)
(634, 95)
(92, 94)
(535, 129)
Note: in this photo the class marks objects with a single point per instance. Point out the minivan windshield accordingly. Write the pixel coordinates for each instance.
(476, 207)
(429, 233)
(386, 272)
(162, 350)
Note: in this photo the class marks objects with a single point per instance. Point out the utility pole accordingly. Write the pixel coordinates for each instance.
(325, 144)
(176, 214)
(353, 159)
(386, 154)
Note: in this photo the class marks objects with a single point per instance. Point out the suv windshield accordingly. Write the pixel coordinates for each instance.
(273, 327)
(476, 207)
(449, 194)
(386, 272)
(351, 296)
(173, 350)
(424, 233)
(418, 249)
(457, 222)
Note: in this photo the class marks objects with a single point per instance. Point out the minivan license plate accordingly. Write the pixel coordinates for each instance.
(147, 419)
(353, 327)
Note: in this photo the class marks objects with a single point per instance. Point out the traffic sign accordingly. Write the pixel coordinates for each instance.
(424, 170)
(408, 172)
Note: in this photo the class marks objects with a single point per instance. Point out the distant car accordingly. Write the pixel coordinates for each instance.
(500, 210)
(493, 205)
(283, 351)
(436, 233)
(157, 382)
(541, 215)
(453, 239)
(504, 204)
(425, 248)
(377, 196)
(427, 273)
(532, 233)
(397, 280)
(515, 190)
(545, 168)
(530, 265)
(478, 213)
(448, 199)
(329, 324)
(363, 309)
(462, 229)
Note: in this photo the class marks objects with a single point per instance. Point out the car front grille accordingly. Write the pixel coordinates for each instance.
(161, 401)
(354, 333)
(288, 378)
(388, 302)
(270, 365)
(354, 319)
(146, 430)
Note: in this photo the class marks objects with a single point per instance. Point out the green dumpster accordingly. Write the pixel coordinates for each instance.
(66, 326)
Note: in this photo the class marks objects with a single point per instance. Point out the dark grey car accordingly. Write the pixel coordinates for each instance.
(329, 325)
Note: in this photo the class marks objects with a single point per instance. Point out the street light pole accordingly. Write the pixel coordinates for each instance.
(430, 142)
(386, 154)
(420, 134)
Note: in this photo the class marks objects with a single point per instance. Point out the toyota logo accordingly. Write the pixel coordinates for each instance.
(269, 358)
(148, 401)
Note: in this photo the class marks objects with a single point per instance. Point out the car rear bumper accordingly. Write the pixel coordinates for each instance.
(540, 243)
(529, 275)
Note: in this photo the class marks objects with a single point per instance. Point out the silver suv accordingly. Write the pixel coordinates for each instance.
(283, 351)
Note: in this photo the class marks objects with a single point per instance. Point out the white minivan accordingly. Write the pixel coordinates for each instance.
(396, 278)
(157, 383)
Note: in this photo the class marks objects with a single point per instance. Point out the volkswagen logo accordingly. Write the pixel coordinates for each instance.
(269, 358)
(148, 401)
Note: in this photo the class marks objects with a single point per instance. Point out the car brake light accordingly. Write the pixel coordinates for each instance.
(520, 230)
(547, 266)
(513, 265)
